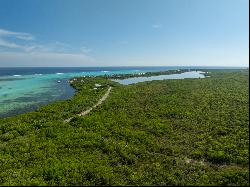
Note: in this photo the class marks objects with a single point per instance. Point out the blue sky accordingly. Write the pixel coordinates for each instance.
(124, 32)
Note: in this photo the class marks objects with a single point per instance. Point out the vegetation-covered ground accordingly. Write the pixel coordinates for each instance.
(171, 132)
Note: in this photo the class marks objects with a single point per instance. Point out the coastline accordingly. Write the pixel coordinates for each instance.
(161, 123)
(63, 86)
(111, 76)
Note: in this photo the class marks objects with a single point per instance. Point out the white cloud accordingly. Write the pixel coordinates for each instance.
(85, 49)
(12, 46)
(157, 26)
(18, 35)
(25, 42)
(9, 40)
(21, 49)
(45, 59)
(5, 43)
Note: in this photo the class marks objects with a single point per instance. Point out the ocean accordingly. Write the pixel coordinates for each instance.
(26, 89)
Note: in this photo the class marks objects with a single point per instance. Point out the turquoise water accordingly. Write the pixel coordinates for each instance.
(26, 89)
(185, 75)
(22, 93)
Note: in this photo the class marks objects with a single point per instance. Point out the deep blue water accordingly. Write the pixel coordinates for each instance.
(26, 89)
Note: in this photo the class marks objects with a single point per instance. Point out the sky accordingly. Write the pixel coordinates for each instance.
(83, 33)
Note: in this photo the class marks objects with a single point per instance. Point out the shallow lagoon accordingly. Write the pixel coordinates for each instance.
(185, 75)
(26, 89)
(21, 92)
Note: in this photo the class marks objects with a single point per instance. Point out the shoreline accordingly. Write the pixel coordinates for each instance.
(110, 77)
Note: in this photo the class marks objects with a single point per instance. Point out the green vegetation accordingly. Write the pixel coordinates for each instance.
(147, 74)
(171, 132)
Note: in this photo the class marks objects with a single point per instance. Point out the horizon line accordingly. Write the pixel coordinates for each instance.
(118, 66)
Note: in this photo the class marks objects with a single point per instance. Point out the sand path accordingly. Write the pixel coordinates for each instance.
(83, 113)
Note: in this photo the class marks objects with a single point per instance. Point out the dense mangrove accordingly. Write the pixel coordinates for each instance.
(168, 132)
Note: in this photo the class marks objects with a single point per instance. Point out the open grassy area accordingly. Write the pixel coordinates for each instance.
(171, 132)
